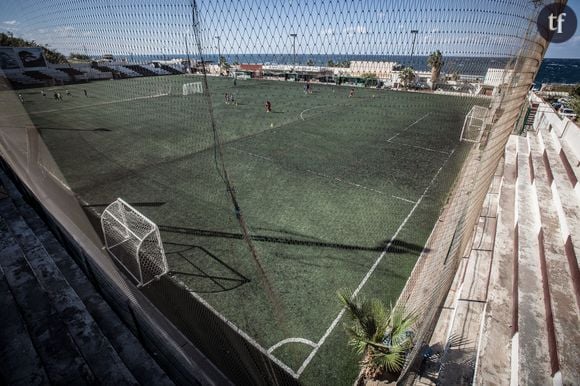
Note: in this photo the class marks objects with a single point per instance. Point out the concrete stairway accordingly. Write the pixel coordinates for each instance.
(512, 315)
(531, 331)
(55, 327)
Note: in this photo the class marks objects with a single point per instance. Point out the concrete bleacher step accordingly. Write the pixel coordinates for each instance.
(566, 199)
(60, 358)
(496, 340)
(533, 356)
(558, 276)
(93, 346)
(19, 361)
(140, 364)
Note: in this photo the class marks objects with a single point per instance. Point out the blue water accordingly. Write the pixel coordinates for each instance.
(551, 70)
(559, 71)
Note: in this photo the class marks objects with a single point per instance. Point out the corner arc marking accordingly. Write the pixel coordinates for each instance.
(292, 340)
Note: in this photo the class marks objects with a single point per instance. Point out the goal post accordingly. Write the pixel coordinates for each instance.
(474, 123)
(134, 241)
(192, 88)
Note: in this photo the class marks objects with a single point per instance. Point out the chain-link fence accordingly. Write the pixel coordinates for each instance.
(285, 151)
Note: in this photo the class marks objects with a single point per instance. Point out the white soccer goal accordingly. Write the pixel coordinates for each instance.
(134, 241)
(163, 89)
(474, 124)
(192, 88)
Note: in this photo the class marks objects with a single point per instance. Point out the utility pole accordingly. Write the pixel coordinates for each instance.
(294, 48)
(414, 32)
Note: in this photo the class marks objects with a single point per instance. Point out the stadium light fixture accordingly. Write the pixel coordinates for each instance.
(294, 47)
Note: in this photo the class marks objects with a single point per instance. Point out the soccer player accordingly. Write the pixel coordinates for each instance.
(268, 106)
(21, 97)
(68, 92)
(55, 95)
(227, 98)
(351, 93)
(42, 93)
(85, 91)
(59, 96)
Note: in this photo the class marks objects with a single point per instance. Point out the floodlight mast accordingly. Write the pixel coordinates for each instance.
(414, 32)
(294, 48)
(219, 50)
(187, 52)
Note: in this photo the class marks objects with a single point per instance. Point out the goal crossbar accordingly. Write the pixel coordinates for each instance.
(473, 124)
(134, 241)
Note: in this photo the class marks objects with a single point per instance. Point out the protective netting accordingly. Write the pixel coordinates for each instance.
(285, 150)
(134, 241)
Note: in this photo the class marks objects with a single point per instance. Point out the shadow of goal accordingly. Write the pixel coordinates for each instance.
(134, 241)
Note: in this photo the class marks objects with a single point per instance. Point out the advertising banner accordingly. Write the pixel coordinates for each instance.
(8, 59)
(31, 57)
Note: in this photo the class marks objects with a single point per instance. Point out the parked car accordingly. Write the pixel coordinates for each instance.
(556, 106)
(566, 112)
(564, 101)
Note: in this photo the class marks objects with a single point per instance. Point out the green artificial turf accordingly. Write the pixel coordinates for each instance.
(323, 181)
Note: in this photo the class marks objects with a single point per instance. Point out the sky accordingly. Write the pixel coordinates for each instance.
(570, 48)
(363, 27)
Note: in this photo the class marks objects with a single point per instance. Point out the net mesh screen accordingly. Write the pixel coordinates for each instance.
(286, 150)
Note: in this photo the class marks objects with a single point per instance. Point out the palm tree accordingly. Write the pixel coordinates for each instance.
(383, 336)
(407, 76)
(435, 62)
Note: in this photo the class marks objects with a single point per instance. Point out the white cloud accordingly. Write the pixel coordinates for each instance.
(63, 29)
(10, 22)
(327, 31)
(358, 29)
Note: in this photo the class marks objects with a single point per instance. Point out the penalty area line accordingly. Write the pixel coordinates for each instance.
(371, 270)
(93, 105)
(408, 127)
(419, 147)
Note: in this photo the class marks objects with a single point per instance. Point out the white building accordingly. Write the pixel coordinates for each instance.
(497, 76)
(381, 69)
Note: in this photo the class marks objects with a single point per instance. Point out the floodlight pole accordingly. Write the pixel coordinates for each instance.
(414, 32)
(294, 48)
(219, 50)
(187, 52)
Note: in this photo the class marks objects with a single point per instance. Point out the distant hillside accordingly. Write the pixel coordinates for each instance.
(7, 40)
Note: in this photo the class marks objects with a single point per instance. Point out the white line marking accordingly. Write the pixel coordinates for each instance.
(371, 270)
(291, 340)
(419, 147)
(312, 108)
(94, 104)
(241, 332)
(408, 127)
(323, 175)
(404, 199)
(252, 154)
(344, 181)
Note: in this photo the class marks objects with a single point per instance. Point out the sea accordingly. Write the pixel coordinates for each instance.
(551, 70)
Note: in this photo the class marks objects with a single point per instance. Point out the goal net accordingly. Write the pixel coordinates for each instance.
(192, 88)
(474, 124)
(134, 241)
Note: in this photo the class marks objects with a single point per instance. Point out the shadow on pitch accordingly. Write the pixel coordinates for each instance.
(102, 129)
(197, 260)
(153, 204)
(397, 246)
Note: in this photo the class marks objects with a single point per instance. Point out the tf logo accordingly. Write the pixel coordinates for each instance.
(557, 23)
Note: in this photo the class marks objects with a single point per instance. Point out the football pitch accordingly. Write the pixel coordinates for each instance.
(338, 192)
